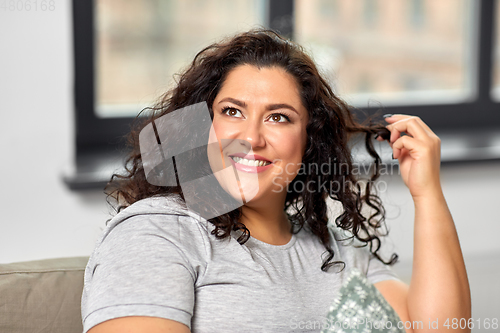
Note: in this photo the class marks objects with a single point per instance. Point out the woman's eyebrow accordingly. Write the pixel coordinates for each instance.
(281, 106)
(234, 101)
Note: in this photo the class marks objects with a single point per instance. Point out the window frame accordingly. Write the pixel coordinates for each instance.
(103, 136)
(92, 133)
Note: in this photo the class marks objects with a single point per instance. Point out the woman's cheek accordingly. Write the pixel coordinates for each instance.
(225, 130)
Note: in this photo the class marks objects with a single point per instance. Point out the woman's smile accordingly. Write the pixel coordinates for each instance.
(250, 163)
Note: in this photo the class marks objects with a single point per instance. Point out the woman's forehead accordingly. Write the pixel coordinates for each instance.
(253, 84)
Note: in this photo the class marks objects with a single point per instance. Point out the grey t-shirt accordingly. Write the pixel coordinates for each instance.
(157, 259)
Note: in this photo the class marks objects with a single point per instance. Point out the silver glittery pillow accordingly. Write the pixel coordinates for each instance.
(361, 308)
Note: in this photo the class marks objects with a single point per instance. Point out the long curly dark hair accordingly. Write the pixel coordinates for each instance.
(331, 124)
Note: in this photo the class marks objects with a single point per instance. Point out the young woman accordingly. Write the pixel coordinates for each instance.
(277, 259)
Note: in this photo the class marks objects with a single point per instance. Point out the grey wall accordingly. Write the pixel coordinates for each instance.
(41, 218)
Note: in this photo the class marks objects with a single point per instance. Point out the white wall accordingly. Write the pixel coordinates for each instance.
(41, 218)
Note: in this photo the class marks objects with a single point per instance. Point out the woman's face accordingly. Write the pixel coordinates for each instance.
(260, 125)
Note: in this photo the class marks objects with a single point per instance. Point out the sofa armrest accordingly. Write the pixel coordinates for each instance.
(42, 295)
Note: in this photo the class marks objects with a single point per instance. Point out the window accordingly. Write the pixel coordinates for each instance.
(496, 84)
(439, 60)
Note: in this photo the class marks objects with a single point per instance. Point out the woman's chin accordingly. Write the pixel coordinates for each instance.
(240, 191)
(249, 187)
(249, 190)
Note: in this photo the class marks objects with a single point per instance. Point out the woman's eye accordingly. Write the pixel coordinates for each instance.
(232, 112)
(278, 118)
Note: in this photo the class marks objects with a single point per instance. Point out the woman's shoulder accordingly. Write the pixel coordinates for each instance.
(163, 217)
(165, 210)
(153, 231)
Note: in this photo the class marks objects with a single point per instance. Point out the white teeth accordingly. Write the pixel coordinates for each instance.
(245, 161)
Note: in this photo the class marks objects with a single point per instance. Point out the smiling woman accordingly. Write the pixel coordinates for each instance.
(271, 258)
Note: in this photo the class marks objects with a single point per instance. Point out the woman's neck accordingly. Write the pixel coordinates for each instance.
(267, 223)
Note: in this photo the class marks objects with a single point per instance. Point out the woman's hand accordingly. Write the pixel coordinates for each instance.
(418, 151)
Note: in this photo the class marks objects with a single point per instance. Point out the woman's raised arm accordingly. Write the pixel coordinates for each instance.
(439, 291)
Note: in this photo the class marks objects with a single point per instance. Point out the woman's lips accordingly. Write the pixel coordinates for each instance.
(249, 168)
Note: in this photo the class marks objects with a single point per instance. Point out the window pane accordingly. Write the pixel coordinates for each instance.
(496, 57)
(141, 44)
(394, 52)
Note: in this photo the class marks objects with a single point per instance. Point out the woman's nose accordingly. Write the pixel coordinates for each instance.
(253, 133)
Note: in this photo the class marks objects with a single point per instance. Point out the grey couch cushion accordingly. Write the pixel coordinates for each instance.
(42, 296)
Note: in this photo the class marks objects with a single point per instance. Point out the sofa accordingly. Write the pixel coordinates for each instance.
(42, 296)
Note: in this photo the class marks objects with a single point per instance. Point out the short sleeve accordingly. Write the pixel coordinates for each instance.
(142, 267)
(378, 271)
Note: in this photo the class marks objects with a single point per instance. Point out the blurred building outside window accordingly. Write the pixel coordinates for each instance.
(140, 45)
(391, 52)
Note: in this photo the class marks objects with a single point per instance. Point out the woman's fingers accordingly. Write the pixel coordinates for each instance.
(397, 117)
(413, 126)
(412, 145)
(416, 129)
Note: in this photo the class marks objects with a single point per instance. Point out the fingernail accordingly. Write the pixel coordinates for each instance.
(387, 115)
